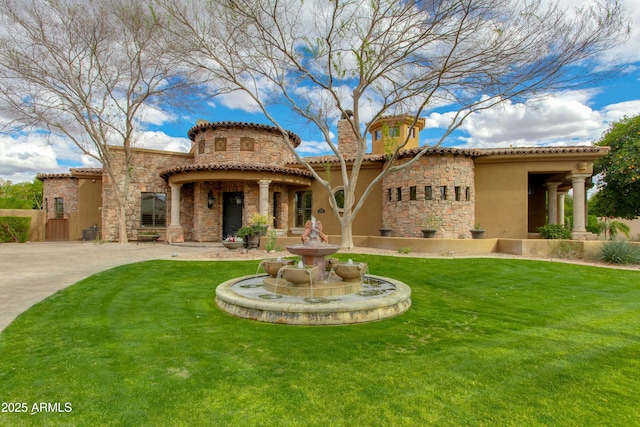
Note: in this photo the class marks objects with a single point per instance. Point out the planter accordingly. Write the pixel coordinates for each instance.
(233, 245)
(429, 233)
(252, 241)
(385, 232)
(477, 234)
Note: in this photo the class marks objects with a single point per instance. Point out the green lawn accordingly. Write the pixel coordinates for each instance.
(486, 342)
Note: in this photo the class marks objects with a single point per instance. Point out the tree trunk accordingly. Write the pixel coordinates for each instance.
(347, 230)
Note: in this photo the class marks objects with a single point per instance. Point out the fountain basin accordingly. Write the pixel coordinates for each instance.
(272, 266)
(313, 250)
(350, 272)
(380, 298)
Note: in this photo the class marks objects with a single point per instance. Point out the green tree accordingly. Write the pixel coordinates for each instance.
(24, 195)
(619, 194)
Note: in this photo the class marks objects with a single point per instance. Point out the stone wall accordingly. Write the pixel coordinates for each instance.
(456, 208)
(65, 188)
(145, 177)
(241, 144)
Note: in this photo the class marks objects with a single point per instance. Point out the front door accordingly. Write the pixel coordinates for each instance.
(231, 213)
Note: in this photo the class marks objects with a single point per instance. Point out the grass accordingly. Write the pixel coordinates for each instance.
(487, 342)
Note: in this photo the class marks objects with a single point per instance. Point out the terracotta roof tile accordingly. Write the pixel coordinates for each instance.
(229, 166)
(215, 125)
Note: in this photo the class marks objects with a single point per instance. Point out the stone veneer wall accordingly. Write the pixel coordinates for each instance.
(347, 141)
(405, 217)
(241, 144)
(147, 165)
(65, 188)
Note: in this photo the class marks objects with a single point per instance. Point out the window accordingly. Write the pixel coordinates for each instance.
(428, 192)
(467, 194)
(153, 210)
(394, 131)
(399, 193)
(412, 133)
(377, 135)
(389, 194)
(443, 192)
(201, 147)
(59, 207)
(457, 193)
(339, 195)
(412, 193)
(303, 208)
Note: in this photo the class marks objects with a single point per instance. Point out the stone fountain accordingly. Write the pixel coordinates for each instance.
(313, 291)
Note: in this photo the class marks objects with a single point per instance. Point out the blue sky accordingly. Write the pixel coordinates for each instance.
(577, 117)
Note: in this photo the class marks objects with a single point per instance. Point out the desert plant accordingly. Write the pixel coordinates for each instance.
(404, 250)
(271, 241)
(554, 231)
(619, 251)
(431, 222)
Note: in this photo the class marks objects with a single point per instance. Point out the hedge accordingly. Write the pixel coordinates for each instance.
(14, 229)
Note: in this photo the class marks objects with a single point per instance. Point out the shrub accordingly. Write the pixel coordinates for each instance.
(594, 226)
(619, 252)
(554, 231)
(566, 250)
(14, 229)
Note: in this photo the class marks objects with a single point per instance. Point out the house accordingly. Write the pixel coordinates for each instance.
(234, 170)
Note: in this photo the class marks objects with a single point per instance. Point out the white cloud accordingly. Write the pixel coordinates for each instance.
(161, 141)
(21, 158)
(313, 148)
(560, 119)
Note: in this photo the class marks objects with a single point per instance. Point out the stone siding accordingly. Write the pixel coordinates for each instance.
(240, 145)
(406, 216)
(65, 188)
(145, 177)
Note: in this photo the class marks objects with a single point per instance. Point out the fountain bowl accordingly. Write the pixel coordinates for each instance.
(313, 250)
(301, 276)
(272, 266)
(350, 272)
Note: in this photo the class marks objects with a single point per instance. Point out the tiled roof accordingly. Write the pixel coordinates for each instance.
(43, 176)
(166, 173)
(73, 173)
(540, 150)
(216, 125)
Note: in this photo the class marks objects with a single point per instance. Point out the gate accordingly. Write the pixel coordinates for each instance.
(57, 229)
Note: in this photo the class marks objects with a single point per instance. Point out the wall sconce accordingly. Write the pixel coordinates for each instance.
(239, 198)
(210, 200)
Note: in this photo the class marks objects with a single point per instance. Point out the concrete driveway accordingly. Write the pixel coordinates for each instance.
(30, 272)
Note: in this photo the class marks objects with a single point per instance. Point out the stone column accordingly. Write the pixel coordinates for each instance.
(561, 208)
(552, 202)
(263, 204)
(579, 203)
(175, 233)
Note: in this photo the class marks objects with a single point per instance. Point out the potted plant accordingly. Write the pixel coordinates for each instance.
(385, 230)
(430, 226)
(477, 232)
(258, 225)
(232, 242)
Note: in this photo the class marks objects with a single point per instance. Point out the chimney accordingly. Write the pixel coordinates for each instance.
(347, 140)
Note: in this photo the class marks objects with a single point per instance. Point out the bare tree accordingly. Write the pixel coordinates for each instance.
(366, 59)
(86, 70)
